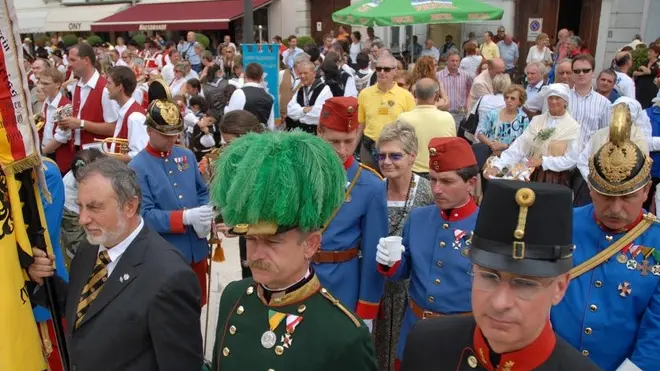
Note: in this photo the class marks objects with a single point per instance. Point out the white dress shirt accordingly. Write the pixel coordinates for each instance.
(533, 90)
(238, 100)
(109, 106)
(137, 130)
(70, 192)
(624, 85)
(140, 89)
(350, 90)
(295, 110)
(176, 85)
(168, 73)
(192, 75)
(51, 108)
(119, 249)
(433, 52)
(470, 64)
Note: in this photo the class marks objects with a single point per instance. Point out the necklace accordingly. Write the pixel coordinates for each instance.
(405, 204)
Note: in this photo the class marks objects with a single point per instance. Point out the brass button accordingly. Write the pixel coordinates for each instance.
(431, 299)
(472, 361)
(593, 307)
(445, 226)
(250, 290)
(170, 172)
(609, 238)
(279, 350)
(440, 263)
(443, 244)
(232, 330)
(240, 310)
(180, 197)
(598, 284)
(175, 184)
(270, 369)
(225, 351)
(588, 331)
(585, 353)
(301, 308)
(436, 281)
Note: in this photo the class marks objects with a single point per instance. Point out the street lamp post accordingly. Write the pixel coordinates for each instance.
(248, 22)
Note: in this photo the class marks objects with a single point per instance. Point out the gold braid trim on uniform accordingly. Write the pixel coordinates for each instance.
(281, 300)
(326, 294)
(376, 173)
(346, 197)
(609, 252)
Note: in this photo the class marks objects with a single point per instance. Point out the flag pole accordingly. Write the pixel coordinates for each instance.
(36, 233)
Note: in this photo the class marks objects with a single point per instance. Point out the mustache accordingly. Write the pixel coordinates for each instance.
(620, 216)
(259, 264)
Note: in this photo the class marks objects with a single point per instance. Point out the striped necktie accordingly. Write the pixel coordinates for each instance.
(94, 284)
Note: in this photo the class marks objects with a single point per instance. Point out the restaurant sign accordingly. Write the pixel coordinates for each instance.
(152, 27)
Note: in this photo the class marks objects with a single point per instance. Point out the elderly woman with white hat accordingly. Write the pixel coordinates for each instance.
(549, 147)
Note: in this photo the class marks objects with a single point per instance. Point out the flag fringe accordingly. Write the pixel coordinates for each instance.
(21, 165)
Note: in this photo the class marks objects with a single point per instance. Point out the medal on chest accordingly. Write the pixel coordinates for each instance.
(181, 163)
(268, 338)
(458, 238)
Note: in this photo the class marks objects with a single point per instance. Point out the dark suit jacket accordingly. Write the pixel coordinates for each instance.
(146, 317)
(446, 344)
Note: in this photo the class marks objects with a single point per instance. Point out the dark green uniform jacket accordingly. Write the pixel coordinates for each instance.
(312, 331)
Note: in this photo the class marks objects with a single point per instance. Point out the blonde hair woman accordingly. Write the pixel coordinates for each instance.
(397, 148)
(540, 52)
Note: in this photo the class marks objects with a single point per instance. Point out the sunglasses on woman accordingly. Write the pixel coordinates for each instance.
(394, 156)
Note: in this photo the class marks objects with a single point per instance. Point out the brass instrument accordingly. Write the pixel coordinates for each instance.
(39, 120)
(121, 146)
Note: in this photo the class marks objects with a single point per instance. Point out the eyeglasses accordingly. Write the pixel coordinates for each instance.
(582, 71)
(523, 288)
(384, 69)
(394, 156)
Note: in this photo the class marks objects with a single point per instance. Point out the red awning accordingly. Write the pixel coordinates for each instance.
(182, 16)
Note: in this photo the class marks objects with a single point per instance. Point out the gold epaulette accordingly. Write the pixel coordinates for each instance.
(372, 170)
(326, 294)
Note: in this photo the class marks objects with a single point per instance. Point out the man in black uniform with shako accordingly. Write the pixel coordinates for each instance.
(522, 254)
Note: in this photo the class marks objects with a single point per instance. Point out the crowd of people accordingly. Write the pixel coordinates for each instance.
(391, 215)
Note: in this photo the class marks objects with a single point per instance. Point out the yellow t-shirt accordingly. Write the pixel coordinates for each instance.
(490, 50)
(429, 122)
(377, 109)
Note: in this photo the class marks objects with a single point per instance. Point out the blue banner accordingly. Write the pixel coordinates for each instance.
(268, 56)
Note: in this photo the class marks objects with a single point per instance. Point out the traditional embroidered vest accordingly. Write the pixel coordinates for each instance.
(92, 110)
(152, 63)
(123, 130)
(300, 97)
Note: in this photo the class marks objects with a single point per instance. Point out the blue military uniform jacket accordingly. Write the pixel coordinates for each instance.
(612, 312)
(53, 212)
(170, 183)
(361, 222)
(443, 242)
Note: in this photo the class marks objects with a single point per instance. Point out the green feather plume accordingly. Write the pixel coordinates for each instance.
(292, 179)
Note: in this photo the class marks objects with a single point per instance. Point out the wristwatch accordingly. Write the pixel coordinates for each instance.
(82, 124)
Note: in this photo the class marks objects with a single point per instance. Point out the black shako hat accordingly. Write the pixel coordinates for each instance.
(525, 229)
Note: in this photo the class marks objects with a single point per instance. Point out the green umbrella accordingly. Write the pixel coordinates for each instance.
(406, 12)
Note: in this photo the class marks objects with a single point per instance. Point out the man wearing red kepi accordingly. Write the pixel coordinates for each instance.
(354, 230)
(436, 240)
(521, 269)
(94, 113)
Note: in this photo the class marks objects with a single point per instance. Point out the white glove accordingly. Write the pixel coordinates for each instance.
(202, 229)
(370, 324)
(200, 215)
(384, 256)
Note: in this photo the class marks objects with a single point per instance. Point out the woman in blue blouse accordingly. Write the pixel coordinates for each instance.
(502, 126)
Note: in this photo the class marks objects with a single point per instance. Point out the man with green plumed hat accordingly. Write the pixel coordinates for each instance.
(278, 190)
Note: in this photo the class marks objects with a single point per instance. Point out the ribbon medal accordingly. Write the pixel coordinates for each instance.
(185, 163)
(178, 162)
(458, 237)
(292, 321)
(268, 338)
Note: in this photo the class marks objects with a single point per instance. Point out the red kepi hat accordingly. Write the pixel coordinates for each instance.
(447, 154)
(340, 114)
